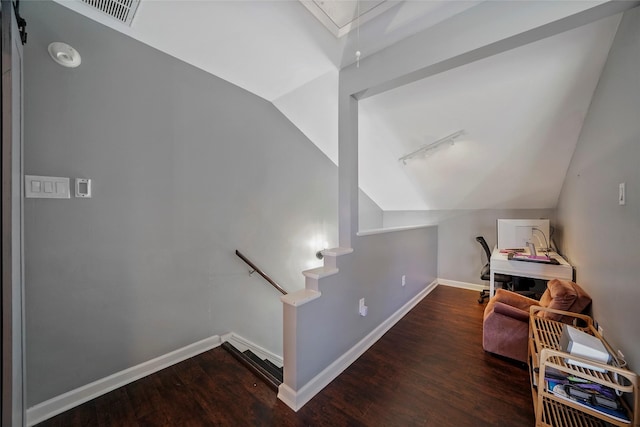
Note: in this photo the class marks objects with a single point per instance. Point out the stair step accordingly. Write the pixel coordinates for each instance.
(255, 365)
(273, 366)
(265, 363)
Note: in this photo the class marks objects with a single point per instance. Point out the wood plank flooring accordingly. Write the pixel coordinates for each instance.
(428, 370)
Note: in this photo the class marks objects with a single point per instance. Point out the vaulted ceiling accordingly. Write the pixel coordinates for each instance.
(521, 110)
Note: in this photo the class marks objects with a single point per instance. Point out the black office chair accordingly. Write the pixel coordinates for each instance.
(485, 273)
(519, 285)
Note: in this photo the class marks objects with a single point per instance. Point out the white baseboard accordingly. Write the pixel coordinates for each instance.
(463, 285)
(293, 399)
(70, 399)
(243, 344)
(297, 399)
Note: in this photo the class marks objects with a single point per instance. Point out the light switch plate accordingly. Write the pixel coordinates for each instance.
(46, 187)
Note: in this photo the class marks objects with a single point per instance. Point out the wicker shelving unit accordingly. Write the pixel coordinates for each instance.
(545, 352)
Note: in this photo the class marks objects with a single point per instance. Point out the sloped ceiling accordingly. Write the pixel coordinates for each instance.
(522, 110)
(268, 47)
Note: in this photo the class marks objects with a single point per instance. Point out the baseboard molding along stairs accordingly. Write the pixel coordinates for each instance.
(294, 399)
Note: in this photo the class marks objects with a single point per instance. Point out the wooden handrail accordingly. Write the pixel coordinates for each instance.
(260, 272)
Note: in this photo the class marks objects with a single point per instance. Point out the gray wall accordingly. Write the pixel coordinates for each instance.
(599, 236)
(330, 325)
(460, 257)
(186, 169)
(369, 213)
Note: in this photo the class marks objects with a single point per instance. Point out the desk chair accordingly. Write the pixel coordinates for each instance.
(485, 273)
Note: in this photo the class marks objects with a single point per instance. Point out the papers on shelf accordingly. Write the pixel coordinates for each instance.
(558, 389)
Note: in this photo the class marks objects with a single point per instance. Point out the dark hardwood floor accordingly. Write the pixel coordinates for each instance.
(428, 370)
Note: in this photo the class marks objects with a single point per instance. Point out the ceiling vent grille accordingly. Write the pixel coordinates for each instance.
(122, 10)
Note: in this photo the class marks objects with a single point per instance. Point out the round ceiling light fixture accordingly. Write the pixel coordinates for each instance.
(64, 54)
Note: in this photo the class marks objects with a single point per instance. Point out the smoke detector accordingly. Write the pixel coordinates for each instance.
(64, 54)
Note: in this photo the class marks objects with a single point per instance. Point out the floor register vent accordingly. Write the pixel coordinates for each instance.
(122, 10)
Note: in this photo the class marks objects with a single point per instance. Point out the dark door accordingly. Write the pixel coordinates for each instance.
(12, 270)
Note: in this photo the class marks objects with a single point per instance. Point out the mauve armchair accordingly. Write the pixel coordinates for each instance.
(505, 327)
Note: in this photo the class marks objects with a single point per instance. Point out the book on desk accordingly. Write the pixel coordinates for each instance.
(540, 259)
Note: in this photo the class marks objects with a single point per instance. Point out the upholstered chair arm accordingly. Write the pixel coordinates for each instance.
(511, 311)
(515, 300)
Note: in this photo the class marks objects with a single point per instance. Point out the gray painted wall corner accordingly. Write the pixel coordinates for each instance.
(599, 236)
(186, 168)
(331, 325)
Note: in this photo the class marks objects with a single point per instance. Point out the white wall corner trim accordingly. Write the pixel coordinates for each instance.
(244, 344)
(463, 285)
(73, 398)
(297, 399)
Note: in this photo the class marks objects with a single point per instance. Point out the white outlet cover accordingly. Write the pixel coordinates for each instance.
(83, 187)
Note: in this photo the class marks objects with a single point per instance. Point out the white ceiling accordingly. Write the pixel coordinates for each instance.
(268, 47)
(522, 110)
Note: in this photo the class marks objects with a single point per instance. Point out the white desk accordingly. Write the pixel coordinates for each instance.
(500, 264)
